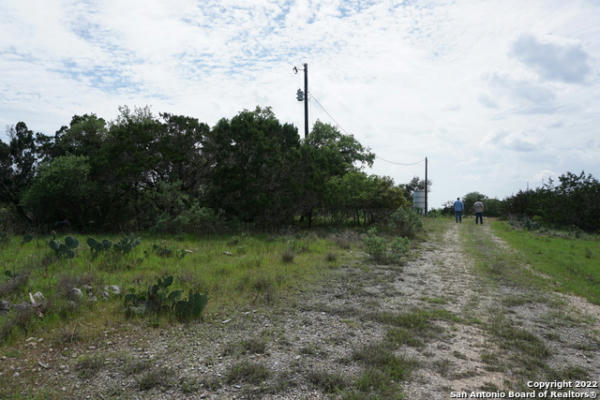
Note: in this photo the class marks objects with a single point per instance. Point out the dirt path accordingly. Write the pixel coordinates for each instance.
(465, 331)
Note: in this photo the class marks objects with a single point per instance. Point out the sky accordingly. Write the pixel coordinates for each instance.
(498, 95)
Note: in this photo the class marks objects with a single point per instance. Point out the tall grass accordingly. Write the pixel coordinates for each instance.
(244, 271)
(573, 263)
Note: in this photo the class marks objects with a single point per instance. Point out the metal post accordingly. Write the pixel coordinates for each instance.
(426, 185)
(305, 100)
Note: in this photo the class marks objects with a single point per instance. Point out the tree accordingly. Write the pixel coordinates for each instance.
(62, 190)
(17, 165)
(250, 160)
(326, 153)
(416, 184)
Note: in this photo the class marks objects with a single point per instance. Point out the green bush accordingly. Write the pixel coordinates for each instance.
(406, 222)
(375, 246)
(380, 251)
(64, 249)
(158, 300)
(399, 249)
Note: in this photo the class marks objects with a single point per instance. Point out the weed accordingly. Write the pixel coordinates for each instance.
(327, 382)
(156, 377)
(135, 366)
(69, 334)
(402, 336)
(381, 357)
(489, 387)
(442, 367)
(248, 372)
(288, 256)
(162, 250)
(491, 361)
(66, 283)
(246, 346)
(14, 284)
(88, 366)
(211, 382)
(513, 338)
(311, 349)
(569, 373)
(253, 346)
(343, 243)
(189, 384)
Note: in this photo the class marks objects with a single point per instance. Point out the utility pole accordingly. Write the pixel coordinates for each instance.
(426, 184)
(305, 100)
(304, 96)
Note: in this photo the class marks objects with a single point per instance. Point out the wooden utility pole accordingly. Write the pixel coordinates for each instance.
(426, 184)
(305, 100)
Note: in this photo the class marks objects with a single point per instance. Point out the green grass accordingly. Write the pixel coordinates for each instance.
(572, 263)
(245, 270)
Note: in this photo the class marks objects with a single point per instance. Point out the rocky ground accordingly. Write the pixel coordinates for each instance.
(459, 328)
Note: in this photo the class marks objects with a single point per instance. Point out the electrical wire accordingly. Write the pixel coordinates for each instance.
(311, 96)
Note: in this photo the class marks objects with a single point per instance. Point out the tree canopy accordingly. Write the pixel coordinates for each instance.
(143, 171)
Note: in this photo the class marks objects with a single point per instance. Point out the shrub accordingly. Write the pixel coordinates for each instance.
(126, 244)
(375, 246)
(406, 222)
(64, 249)
(248, 372)
(288, 256)
(399, 248)
(97, 247)
(158, 300)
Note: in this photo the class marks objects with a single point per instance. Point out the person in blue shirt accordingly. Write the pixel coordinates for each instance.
(458, 210)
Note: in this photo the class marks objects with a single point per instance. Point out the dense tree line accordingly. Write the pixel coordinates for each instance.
(174, 173)
(572, 202)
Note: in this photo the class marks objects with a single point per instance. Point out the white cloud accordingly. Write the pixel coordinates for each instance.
(409, 79)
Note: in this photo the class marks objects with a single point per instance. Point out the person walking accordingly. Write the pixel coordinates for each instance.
(478, 209)
(458, 210)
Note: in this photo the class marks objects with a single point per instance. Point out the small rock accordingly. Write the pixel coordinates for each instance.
(237, 386)
(37, 297)
(43, 365)
(105, 295)
(75, 293)
(226, 321)
(88, 288)
(16, 374)
(114, 289)
(4, 306)
(227, 253)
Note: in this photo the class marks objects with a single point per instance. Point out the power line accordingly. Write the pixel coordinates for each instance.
(397, 163)
(342, 128)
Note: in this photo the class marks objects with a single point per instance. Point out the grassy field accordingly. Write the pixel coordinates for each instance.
(572, 263)
(236, 272)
